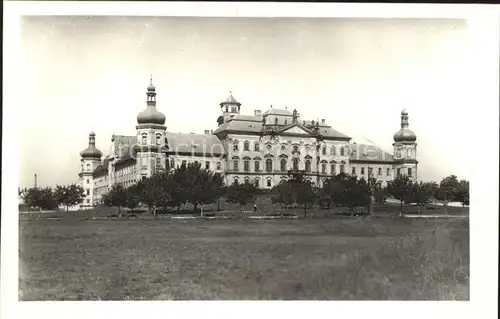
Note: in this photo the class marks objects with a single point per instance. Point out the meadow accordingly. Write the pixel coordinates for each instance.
(337, 258)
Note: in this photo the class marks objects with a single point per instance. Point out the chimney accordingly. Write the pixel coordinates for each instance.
(256, 112)
(322, 121)
(207, 132)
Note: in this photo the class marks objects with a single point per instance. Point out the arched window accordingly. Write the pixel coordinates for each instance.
(269, 165)
(246, 146)
(295, 163)
(235, 181)
(158, 139)
(323, 168)
(283, 164)
(257, 166)
(341, 151)
(308, 165)
(333, 169)
(144, 138)
(256, 182)
(88, 167)
(295, 148)
(236, 165)
(334, 150)
(246, 166)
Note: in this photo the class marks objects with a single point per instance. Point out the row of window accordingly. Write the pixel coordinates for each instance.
(218, 165)
(284, 166)
(388, 171)
(246, 147)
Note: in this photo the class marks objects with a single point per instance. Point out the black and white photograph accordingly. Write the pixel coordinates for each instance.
(230, 157)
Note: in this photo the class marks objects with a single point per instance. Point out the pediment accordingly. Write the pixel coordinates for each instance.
(296, 129)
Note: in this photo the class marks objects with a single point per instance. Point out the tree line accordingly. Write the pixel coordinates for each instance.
(192, 184)
(50, 199)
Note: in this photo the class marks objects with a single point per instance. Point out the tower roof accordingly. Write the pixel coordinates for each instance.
(91, 151)
(405, 134)
(230, 100)
(151, 115)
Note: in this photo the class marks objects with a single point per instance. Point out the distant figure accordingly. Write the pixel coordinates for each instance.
(254, 208)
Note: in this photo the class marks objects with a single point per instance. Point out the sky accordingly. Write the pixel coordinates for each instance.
(80, 74)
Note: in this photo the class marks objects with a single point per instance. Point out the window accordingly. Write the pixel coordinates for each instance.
(257, 166)
(88, 181)
(323, 151)
(144, 138)
(269, 165)
(283, 146)
(256, 182)
(398, 172)
(323, 168)
(342, 168)
(184, 163)
(158, 162)
(246, 146)
(333, 150)
(409, 171)
(235, 165)
(218, 165)
(257, 147)
(268, 183)
(333, 168)
(88, 167)
(235, 181)
(88, 201)
(207, 165)
(308, 165)
(283, 164)
(380, 171)
(388, 172)
(295, 148)
(362, 171)
(341, 151)
(88, 191)
(246, 166)
(234, 109)
(247, 181)
(354, 171)
(295, 163)
(158, 139)
(235, 146)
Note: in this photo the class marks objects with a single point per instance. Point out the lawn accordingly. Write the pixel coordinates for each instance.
(323, 258)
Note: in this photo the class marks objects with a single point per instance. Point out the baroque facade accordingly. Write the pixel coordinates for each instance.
(263, 149)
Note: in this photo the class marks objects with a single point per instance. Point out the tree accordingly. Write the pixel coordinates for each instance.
(304, 195)
(355, 193)
(241, 194)
(41, 198)
(332, 190)
(380, 194)
(69, 195)
(400, 188)
(421, 193)
(201, 186)
(117, 196)
(447, 190)
(462, 194)
(282, 194)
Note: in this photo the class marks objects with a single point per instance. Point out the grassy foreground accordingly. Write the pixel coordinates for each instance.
(326, 259)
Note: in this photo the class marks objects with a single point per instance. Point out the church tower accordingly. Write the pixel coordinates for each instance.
(151, 136)
(405, 149)
(91, 158)
(230, 107)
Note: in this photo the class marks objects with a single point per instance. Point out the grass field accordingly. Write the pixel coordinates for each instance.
(323, 258)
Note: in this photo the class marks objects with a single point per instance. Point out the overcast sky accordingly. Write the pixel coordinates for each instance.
(84, 73)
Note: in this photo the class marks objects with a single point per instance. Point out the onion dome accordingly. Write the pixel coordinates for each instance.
(91, 151)
(151, 115)
(405, 134)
